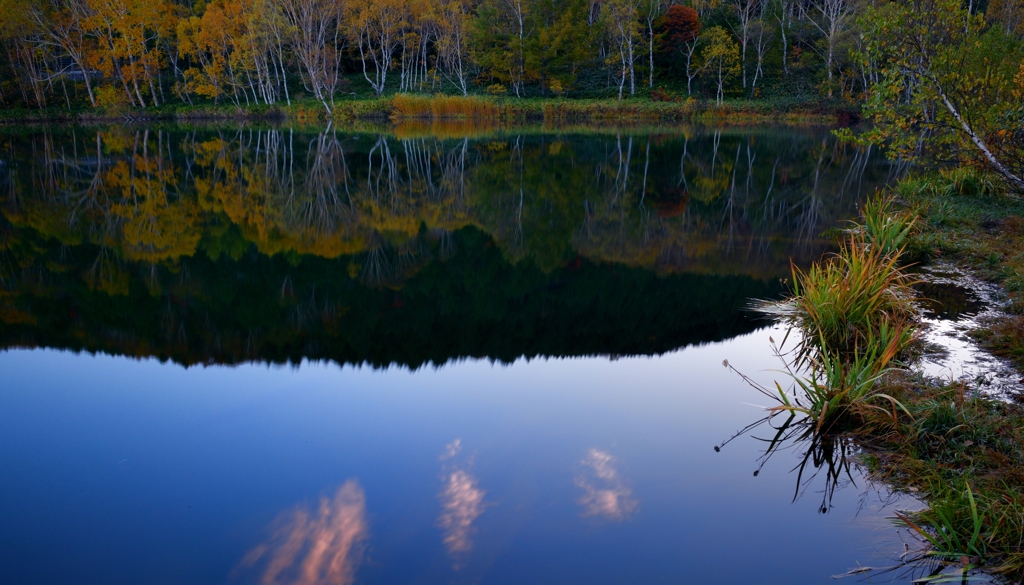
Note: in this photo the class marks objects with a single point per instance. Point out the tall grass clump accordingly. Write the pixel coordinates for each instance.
(856, 315)
(884, 226)
(969, 182)
(852, 304)
(443, 106)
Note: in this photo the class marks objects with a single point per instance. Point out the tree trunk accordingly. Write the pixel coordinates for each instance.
(632, 77)
(650, 52)
(1013, 179)
(785, 46)
(88, 86)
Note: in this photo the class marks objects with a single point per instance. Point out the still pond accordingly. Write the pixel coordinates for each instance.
(283, 355)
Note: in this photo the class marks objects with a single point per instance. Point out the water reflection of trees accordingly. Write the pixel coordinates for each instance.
(678, 203)
(278, 245)
(721, 201)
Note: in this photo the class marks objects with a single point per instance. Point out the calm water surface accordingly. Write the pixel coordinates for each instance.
(285, 356)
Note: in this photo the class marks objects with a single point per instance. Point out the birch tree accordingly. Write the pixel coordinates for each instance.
(376, 27)
(128, 34)
(832, 18)
(746, 12)
(722, 57)
(951, 87)
(783, 17)
(25, 53)
(1008, 14)
(318, 44)
(518, 69)
(61, 24)
(651, 12)
(623, 28)
(763, 32)
(452, 18)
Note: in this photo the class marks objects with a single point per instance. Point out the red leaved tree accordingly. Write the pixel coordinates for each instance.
(679, 29)
(679, 26)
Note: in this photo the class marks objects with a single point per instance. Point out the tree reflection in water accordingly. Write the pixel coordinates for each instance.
(274, 244)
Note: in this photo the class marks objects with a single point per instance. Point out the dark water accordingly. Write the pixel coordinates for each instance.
(493, 359)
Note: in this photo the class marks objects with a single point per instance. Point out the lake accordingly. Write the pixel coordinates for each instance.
(415, 355)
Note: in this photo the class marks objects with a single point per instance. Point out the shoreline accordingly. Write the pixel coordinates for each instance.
(954, 443)
(471, 109)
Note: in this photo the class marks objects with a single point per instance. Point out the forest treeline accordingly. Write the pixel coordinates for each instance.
(143, 53)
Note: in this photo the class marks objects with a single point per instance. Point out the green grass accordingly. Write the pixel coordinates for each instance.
(884, 226)
(962, 454)
(856, 315)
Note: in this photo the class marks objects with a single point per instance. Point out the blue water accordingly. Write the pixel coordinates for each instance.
(619, 262)
(548, 471)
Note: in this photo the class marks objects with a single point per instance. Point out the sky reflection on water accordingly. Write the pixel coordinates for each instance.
(462, 502)
(604, 493)
(313, 547)
(568, 470)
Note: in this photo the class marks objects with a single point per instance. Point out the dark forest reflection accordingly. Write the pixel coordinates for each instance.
(224, 246)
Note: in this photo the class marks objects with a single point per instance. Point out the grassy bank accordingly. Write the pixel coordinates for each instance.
(500, 110)
(961, 452)
(967, 220)
(444, 129)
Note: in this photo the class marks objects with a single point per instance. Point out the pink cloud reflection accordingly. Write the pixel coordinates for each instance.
(462, 501)
(320, 547)
(604, 493)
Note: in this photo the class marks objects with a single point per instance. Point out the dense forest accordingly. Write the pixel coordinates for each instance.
(143, 53)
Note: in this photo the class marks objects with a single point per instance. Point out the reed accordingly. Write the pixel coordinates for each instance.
(857, 321)
(405, 105)
(827, 387)
(884, 227)
(858, 302)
